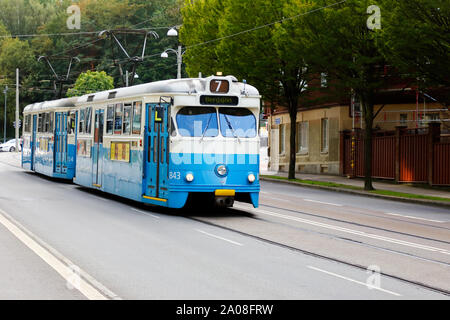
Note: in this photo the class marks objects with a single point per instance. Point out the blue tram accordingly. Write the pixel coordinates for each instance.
(161, 143)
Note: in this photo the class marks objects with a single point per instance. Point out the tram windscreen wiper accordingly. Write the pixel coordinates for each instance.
(231, 127)
(207, 126)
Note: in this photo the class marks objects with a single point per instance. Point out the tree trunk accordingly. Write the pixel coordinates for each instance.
(368, 120)
(292, 149)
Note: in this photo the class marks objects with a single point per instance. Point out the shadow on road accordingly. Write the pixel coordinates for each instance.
(194, 210)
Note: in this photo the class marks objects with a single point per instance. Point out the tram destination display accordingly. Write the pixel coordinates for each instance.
(219, 100)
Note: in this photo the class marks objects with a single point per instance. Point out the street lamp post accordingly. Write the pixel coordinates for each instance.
(4, 119)
(173, 33)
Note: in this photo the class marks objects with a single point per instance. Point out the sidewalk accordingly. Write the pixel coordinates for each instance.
(359, 183)
(11, 158)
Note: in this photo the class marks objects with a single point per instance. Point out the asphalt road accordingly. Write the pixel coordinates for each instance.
(300, 244)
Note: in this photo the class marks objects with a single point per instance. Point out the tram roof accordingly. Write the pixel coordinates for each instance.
(60, 103)
(186, 85)
(183, 86)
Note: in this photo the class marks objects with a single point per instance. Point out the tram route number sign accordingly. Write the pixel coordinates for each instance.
(219, 100)
(219, 86)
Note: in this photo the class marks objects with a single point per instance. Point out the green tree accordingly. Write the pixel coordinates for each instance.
(90, 82)
(338, 41)
(3, 33)
(15, 53)
(264, 56)
(416, 40)
(25, 16)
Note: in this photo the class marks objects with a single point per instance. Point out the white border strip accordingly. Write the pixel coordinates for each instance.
(60, 264)
(217, 237)
(355, 281)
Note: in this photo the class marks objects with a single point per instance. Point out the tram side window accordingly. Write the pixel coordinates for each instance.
(81, 122)
(118, 118)
(40, 120)
(88, 119)
(110, 119)
(50, 122)
(137, 112)
(197, 122)
(71, 122)
(45, 122)
(27, 123)
(127, 118)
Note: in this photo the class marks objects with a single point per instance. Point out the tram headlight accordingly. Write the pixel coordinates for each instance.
(189, 177)
(251, 178)
(221, 170)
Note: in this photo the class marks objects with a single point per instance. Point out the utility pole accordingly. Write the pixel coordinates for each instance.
(17, 110)
(4, 119)
(179, 61)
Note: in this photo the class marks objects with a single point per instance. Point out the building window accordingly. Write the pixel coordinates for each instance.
(282, 136)
(403, 118)
(302, 136)
(325, 134)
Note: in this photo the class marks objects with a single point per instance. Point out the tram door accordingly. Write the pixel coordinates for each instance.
(33, 141)
(97, 152)
(156, 151)
(60, 148)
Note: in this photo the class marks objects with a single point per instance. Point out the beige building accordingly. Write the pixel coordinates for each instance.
(319, 128)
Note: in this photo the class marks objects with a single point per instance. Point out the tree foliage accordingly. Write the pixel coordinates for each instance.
(415, 37)
(215, 33)
(43, 30)
(90, 82)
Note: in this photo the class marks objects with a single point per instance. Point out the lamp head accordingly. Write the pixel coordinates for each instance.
(172, 32)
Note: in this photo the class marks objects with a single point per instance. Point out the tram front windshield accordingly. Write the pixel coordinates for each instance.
(237, 122)
(203, 122)
(197, 122)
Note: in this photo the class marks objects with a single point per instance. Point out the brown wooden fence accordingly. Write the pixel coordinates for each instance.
(401, 155)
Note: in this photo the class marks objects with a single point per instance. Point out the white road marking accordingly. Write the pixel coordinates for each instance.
(321, 202)
(411, 217)
(351, 231)
(217, 237)
(63, 266)
(355, 281)
(144, 212)
(279, 199)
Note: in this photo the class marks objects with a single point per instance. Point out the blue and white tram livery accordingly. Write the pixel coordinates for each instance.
(160, 143)
(49, 138)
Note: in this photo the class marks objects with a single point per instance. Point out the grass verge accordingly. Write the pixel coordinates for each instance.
(344, 186)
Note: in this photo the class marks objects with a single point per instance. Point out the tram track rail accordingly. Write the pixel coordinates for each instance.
(325, 257)
(364, 225)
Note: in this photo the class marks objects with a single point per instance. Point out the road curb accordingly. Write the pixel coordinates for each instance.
(360, 193)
